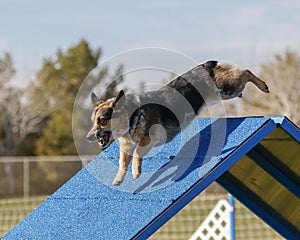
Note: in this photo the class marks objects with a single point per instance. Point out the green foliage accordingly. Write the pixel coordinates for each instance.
(57, 138)
(59, 81)
(61, 78)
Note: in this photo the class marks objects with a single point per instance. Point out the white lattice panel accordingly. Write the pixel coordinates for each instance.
(217, 224)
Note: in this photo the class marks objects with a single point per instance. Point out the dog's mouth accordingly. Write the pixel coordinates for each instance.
(104, 139)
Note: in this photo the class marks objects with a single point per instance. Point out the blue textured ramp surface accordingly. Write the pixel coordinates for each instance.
(88, 207)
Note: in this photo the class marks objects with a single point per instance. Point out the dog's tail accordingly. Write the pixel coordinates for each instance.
(250, 77)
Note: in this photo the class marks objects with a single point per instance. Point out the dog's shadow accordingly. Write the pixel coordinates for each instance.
(204, 148)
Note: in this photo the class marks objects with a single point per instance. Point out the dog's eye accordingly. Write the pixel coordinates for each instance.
(228, 93)
(101, 121)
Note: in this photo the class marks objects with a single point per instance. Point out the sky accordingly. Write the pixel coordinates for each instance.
(246, 33)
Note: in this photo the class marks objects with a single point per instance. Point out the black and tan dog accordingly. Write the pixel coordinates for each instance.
(140, 122)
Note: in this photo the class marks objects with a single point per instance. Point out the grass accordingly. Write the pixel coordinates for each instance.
(14, 210)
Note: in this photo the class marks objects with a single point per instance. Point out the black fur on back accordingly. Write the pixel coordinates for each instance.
(190, 93)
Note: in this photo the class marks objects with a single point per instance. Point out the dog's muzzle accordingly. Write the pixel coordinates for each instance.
(103, 138)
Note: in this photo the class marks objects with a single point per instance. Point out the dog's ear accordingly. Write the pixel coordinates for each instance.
(250, 77)
(118, 97)
(95, 99)
(209, 66)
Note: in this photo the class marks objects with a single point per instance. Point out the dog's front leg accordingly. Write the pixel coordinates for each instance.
(123, 166)
(126, 150)
(143, 147)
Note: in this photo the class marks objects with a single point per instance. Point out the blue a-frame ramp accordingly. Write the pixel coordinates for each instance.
(258, 162)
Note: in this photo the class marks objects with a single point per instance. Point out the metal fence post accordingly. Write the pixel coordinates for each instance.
(26, 176)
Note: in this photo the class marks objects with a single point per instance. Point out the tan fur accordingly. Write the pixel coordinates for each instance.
(226, 71)
(232, 81)
(250, 77)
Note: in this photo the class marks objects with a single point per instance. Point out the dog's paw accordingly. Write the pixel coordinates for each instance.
(117, 182)
(119, 178)
(136, 175)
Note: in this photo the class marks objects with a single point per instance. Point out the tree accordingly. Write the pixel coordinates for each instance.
(58, 84)
(282, 75)
(17, 118)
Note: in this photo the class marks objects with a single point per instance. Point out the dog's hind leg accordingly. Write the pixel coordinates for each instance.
(250, 77)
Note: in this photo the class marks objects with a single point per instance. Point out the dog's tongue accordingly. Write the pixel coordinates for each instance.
(105, 137)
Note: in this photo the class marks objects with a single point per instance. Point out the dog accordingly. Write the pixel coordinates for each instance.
(141, 122)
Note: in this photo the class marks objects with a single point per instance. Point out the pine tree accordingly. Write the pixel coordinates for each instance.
(58, 84)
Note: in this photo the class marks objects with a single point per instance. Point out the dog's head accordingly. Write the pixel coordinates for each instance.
(104, 111)
(231, 81)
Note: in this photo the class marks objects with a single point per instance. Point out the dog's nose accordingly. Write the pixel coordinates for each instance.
(91, 136)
